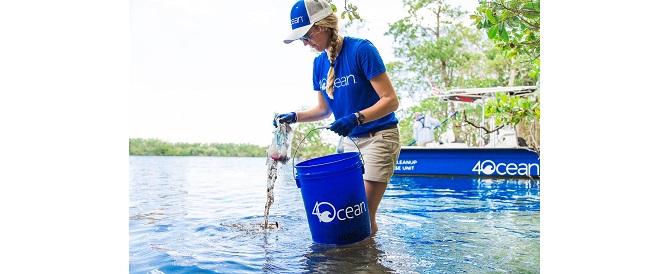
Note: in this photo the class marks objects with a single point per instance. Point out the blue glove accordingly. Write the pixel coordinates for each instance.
(286, 118)
(344, 125)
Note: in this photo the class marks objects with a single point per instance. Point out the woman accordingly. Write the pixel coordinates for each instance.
(351, 82)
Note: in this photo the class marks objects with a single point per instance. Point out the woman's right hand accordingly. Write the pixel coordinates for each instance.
(286, 118)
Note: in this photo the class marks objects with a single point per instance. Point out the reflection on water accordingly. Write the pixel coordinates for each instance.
(474, 225)
(206, 215)
(362, 257)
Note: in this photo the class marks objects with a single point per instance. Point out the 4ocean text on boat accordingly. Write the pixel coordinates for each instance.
(486, 167)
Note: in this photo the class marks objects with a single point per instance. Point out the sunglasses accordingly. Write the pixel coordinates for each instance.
(308, 37)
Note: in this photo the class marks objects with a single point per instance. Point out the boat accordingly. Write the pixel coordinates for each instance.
(505, 156)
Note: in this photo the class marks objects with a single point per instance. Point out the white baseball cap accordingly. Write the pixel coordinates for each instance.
(303, 16)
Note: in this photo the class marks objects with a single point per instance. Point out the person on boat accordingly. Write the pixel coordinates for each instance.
(351, 83)
(448, 136)
(424, 127)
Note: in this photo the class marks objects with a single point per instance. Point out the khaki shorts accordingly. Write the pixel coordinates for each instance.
(380, 153)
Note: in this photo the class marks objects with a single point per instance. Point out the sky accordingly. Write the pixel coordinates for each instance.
(217, 71)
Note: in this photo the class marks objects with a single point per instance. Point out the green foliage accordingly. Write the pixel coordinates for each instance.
(350, 10)
(519, 111)
(434, 46)
(514, 26)
(437, 47)
(312, 141)
(155, 147)
(512, 110)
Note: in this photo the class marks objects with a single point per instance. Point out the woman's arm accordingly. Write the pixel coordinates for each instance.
(319, 112)
(388, 99)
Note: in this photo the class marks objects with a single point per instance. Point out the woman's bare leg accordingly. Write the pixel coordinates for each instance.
(374, 192)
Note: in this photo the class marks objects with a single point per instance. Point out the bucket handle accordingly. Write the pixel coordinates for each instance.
(360, 153)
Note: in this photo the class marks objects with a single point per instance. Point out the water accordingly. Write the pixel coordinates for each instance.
(276, 153)
(206, 215)
(272, 177)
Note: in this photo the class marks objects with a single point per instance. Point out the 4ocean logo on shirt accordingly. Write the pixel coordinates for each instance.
(339, 82)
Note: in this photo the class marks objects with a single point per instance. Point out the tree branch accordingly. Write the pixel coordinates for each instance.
(465, 119)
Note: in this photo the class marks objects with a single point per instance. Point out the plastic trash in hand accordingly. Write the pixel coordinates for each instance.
(281, 143)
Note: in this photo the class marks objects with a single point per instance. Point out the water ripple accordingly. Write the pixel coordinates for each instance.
(205, 215)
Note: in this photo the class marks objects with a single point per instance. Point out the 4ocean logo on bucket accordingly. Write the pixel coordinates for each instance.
(326, 212)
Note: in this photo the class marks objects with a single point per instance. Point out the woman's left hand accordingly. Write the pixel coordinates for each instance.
(344, 125)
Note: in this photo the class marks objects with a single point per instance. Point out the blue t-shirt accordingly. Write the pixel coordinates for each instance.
(358, 62)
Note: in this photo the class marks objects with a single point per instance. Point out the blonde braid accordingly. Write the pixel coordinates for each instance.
(335, 43)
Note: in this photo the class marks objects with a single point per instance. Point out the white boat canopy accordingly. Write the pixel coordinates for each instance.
(470, 95)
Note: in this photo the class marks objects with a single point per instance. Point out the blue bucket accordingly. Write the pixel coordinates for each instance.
(333, 192)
